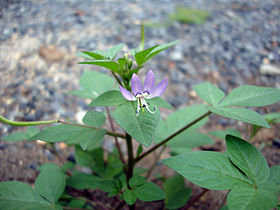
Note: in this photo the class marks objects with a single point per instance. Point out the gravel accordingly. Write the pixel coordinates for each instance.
(39, 40)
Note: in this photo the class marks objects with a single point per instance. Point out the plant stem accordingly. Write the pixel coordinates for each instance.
(142, 44)
(110, 133)
(155, 163)
(117, 78)
(31, 123)
(194, 199)
(116, 139)
(171, 136)
(72, 208)
(120, 205)
(130, 165)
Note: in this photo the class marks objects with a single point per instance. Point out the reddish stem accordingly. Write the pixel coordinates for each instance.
(192, 201)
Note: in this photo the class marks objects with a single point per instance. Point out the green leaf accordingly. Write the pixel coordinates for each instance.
(139, 150)
(108, 186)
(143, 56)
(249, 198)
(179, 150)
(211, 170)
(190, 138)
(273, 117)
(50, 184)
(111, 65)
(76, 203)
(141, 127)
(178, 120)
(245, 115)
(113, 51)
(274, 175)
(270, 118)
(98, 159)
(114, 166)
(149, 192)
(83, 181)
(48, 166)
(221, 134)
(84, 158)
(86, 137)
(209, 93)
(22, 136)
(138, 171)
(176, 193)
(109, 98)
(247, 158)
(129, 196)
(95, 119)
(68, 165)
(136, 181)
(15, 195)
(102, 54)
(161, 103)
(93, 84)
(249, 95)
(91, 55)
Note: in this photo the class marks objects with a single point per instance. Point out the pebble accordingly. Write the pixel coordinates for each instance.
(42, 40)
(71, 158)
(269, 69)
(33, 166)
(49, 155)
(28, 145)
(276, 143)
(4, 146)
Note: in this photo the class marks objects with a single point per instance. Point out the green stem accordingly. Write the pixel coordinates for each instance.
(142, 38)
(32, 123)
(171, 137)
(15, 123)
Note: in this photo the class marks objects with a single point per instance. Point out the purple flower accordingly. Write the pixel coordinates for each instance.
(147, 92)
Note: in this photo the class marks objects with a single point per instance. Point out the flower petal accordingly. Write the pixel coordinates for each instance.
(159, 89)
(149, 82)
(136, 86)
(127, 95)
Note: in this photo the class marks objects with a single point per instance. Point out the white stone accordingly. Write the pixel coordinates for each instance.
(269, 69)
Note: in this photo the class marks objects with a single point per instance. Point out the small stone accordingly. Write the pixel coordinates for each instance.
(3, 146)
(49, 154)
(176, 56)
(276, 143)
(28, 145)
(193, 94)
(71, 158)
(223, 122)
(51, 54)
(269, 69)
(33, 166)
